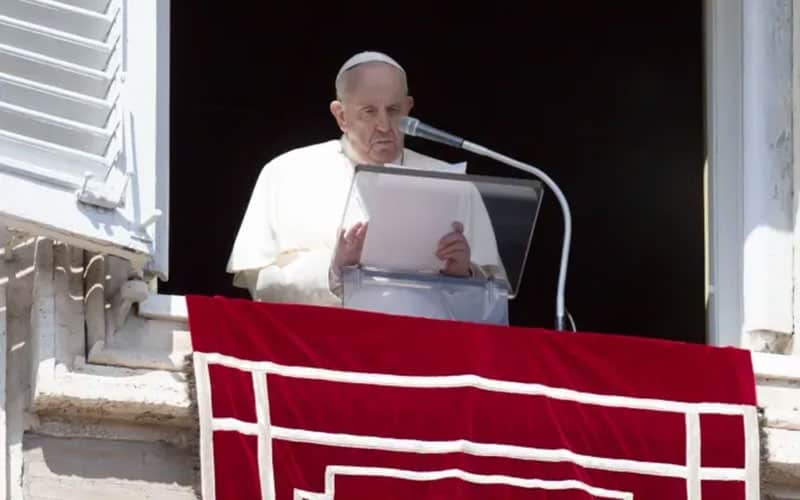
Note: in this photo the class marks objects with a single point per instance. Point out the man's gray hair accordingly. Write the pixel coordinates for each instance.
(363, 58)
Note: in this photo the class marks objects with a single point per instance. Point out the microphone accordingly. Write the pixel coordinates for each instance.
(413, 127)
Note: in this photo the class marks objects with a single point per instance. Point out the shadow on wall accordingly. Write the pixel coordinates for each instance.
(122, 463)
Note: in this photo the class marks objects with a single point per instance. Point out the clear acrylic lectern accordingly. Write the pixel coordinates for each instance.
(407, 212)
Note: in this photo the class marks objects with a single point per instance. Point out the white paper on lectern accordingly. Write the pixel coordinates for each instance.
(408, 216)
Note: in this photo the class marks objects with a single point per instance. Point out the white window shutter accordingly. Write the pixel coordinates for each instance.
(84, 124)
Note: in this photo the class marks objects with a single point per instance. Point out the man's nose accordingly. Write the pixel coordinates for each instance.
(384, 122)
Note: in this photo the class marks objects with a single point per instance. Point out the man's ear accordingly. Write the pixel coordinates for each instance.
(409, 104)
(337, 110)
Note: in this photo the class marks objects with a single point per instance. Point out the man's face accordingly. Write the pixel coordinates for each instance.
(370, 110)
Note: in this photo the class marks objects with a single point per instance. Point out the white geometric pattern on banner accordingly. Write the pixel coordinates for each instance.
(692, 472)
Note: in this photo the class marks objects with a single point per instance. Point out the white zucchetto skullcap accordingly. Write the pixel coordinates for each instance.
(367, 57)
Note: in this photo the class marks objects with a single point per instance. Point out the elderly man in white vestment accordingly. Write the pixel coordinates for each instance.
(289, 247)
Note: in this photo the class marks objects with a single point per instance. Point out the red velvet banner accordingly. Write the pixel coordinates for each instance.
(323, 403)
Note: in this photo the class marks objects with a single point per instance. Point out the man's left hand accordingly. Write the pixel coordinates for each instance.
(454, 249)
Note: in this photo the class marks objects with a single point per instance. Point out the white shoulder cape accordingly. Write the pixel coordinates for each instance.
(295, 210)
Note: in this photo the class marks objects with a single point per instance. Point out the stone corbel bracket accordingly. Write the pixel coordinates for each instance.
(63, 385)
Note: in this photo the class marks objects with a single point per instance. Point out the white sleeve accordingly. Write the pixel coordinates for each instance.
(303, 280)
(256, 245)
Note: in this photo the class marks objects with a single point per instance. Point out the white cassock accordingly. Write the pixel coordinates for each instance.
(285, 245)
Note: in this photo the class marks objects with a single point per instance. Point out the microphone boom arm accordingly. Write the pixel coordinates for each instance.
(414, 127)
(562, 274)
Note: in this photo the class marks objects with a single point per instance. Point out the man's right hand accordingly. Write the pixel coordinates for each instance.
(349, 245)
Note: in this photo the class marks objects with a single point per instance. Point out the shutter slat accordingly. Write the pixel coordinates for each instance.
(60, 16)
(49, 128)
(49, 156)
(58, 102)
(42, 69)
(99, 6)
(55, 44)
